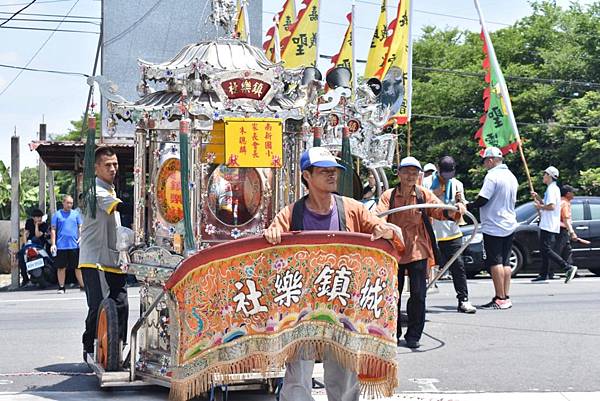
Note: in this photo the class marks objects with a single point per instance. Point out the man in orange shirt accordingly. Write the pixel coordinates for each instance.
(321, 209)
(419, 253)
(567, 233)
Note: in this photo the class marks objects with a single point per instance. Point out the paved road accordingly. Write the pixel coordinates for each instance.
(547, 346)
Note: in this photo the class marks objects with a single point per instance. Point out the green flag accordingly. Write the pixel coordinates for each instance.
(496, 128)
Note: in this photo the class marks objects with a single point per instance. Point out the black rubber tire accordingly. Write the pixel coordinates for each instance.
(112, 354)
(516, 252)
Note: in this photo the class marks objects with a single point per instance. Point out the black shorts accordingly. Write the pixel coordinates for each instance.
(68, 258)
(497, 250)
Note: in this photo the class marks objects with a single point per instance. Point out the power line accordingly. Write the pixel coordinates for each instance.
(330, 22)
(37, 52)
(17, 13)
(476, 120)
(434, 13)
(133, 26)
(54, 15)
(51, 20)
(48, 29)
(14, 67)
(482, 74)
(511, 77)
(39, 2)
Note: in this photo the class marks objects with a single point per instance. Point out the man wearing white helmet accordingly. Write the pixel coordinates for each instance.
(417, 231)
(549, 208)
(496, 203)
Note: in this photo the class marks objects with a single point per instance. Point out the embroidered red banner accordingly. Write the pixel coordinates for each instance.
(248, 306)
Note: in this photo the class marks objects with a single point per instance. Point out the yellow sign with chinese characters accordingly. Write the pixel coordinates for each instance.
(253, 142)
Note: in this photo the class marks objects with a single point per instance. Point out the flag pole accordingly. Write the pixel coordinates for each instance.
(503, 91)
(409, 78)
(318, 36)
(246, 21)
(276, 43)
(352, 36)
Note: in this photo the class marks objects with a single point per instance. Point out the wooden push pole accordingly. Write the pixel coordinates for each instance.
(408, 134)
(13, 247)
(525, 163)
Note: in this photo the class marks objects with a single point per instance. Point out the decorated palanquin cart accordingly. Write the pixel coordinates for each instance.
(219, 134)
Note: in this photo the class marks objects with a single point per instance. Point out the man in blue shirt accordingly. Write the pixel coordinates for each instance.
(66, 229)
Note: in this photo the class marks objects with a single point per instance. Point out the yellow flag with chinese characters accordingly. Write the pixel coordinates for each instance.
(300, 47)
(241, 30)
(284, 20)
(344, 57)
(396, 71)
(378, 50)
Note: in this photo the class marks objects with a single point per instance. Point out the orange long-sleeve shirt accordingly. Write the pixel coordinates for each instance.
(416, 239)
(358, 219)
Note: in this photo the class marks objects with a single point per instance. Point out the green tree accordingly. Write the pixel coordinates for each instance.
(74, 133)
(551, 64)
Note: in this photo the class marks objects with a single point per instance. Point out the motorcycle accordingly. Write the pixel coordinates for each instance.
(39, 264)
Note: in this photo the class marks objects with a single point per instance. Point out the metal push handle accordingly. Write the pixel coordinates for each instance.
(438, 206)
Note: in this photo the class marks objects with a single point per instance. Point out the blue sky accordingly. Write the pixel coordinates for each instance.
(57, 99)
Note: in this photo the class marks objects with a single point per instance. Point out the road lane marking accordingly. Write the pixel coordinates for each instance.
(426, 385)
(58, 298)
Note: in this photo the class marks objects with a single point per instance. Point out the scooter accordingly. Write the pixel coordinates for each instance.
(39, 264)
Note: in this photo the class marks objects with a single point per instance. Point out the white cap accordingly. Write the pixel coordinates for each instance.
(318, 157)
(492, 151)
(552, 172)
(429, 167)
(410, 162)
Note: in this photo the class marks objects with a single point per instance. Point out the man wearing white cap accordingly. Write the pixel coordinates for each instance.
(321, 209)
(420, 242)
(429, 169)
(496, 201)
(549, 209)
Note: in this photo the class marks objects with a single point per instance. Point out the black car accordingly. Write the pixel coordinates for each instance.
(525, 254)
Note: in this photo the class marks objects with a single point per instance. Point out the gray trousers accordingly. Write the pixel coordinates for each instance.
(340, 384)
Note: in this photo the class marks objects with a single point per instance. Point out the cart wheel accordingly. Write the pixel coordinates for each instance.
(107, 333)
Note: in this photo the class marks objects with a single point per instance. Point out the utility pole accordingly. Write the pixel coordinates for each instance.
(51, 194)
(42, 173)
(15, 176)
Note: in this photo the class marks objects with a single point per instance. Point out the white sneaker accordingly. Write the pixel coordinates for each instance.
(466, 307)
(506, 304)
(570, 273)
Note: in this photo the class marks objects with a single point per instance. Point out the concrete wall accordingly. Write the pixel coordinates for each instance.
(155, 31)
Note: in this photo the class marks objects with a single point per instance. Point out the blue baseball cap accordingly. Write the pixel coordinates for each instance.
(318, 157)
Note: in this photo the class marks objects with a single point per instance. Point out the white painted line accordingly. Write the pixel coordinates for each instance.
(58, 298)
(318, 396)
(442, 396)
(426, 385)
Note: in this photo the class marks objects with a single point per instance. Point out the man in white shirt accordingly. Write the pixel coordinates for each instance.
(549, 209)
(496, 201)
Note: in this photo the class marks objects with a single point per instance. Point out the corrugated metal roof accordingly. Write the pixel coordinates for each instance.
(63, 155)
